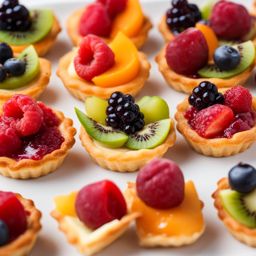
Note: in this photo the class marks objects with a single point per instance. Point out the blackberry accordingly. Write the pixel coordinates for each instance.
(123, 114)
(204, 95)
(182, 15)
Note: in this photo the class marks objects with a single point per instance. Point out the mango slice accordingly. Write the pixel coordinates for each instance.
(65, 204)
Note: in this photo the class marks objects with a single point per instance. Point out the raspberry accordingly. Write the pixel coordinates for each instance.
(237, 126)
(212, 121)
(94, 58)
(239, 99)
(50, 119)
(114, 7)
(95, 20)
(190, 113)
(230, 21)
(160, 184)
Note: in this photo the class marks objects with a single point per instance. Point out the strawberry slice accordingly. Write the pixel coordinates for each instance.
(212, 121)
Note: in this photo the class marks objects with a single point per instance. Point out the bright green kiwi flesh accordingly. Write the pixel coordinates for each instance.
(206, 9)
(151, 136)
(103, 134)
(247, 52)
(42, 21)
(31, 59)
(242, 207)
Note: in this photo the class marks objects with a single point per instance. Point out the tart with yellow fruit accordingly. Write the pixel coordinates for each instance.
(93, 217)
(20, 27)
(123, 136)
(235, 199)
(25, 74)
(106, 18)
(170, 209)
(98, 69)
(19, 224)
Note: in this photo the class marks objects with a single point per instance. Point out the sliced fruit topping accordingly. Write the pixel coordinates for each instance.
(153, 108)
(99, 203)
(188, 52)
(94, 58)
(206, 9)
(41, 25)
(65, 204)
(114, 7)
(160, 184)
(5, 52)
(104, 134)
(247, 57)
(151, 136)
(204, 95)
(230, 21)
(242, 178)
(127, 63)
(212, 121)
(237, 126)
(95, 20)
(4, 233)
(240, 206)
(13, 214)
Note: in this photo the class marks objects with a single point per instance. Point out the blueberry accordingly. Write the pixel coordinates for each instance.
(15, 67)
(242, 178)
(4, 233)
(2, 74)
(5, 52)
(226, 58)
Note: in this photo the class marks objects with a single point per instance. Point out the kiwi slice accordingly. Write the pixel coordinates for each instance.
(206, 10)
(151, 136)
(242, 207)
(31, 59)
(103, 134)
(42, 21)
(247, 52)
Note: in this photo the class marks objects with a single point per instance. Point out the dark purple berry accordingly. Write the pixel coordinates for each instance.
(3, 74)
(4, 233)
(5, 52)
(15, 67)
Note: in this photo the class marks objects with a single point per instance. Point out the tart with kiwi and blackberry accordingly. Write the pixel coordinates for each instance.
(19, 224)
(218, 124)
(170, 209)
(34, 139)
(106, 18)
(121, 135)
(23, 73)
(98, 69)
(235, 199)
(20, 27)
(93, 217)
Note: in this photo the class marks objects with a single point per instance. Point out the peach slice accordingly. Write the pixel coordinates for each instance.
(65, 204)
(126, 66)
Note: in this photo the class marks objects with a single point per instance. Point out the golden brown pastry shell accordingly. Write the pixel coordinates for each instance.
(239, 231)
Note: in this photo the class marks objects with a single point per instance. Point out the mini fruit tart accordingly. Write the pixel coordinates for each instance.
(98, 69)
(19, 224)
(235, 200)
(34, 139)
(20, 27)
(25, 74)
(195, 56)
(170, 209)
(105, 18)
(93, 217)
(217, 124)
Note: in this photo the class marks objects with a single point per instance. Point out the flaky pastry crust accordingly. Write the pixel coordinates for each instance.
(28, 168)
(25, 242)
(81, 89)
(239, 231)
(124, 160)
(73, 24)
(219, 147)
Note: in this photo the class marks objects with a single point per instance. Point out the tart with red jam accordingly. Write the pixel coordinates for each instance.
(34, 139)
(93, 217)
(19, 224)
(105, 18)
(217, 124)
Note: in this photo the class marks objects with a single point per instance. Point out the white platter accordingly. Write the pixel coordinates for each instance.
(78, 170)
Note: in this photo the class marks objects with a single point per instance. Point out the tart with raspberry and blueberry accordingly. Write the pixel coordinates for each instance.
(23, 73)
(19, 224)
(93, 217)
(235, 199)
(20, 27)
(105, 18)
(34, 139)
(218, 124)
(98, 69)
(170, 209)
(123, 136)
